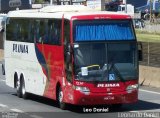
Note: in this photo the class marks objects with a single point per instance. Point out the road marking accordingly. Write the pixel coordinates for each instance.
(17, 110)
(35, 116)
(3, 80)
(149, 91)
(3, 105)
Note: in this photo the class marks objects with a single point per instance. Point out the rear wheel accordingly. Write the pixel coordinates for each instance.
(24, 93)
(62, 105)
(18, 88)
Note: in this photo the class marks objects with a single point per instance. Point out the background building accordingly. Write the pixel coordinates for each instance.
(7, 5)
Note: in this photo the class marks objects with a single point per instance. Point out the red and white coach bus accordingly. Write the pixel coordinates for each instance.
(72, 55)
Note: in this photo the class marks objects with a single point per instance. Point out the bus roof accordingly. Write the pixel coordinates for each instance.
(58, 11)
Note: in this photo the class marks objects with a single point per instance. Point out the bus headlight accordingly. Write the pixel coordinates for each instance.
(82, 89)
(131, 88)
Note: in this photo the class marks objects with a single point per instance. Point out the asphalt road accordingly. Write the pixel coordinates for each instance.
(38, 107)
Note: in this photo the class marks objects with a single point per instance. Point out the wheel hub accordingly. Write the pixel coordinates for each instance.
(18, 85)
(60, 96)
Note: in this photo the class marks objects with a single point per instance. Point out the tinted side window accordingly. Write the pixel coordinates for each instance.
(11, 30)
(31, 31)
(18, 30)
(24, 31)
(48, 31)
(54, 32)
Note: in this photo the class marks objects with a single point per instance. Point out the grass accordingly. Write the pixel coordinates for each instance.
(147, 36)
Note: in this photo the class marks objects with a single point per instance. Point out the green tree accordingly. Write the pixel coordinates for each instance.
(39, 1)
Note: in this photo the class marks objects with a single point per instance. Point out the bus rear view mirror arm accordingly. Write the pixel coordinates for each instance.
(69, 52)
(69, 48)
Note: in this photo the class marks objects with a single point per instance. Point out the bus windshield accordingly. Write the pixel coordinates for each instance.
(106, 57)
(105, 61)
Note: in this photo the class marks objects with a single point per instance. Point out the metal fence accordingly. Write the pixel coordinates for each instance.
(151, 54)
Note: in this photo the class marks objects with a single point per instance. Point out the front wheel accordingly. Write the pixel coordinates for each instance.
(61, 104)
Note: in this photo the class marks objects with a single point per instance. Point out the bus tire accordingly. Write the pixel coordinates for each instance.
(19, 88)
(24, 93)
(61, 104)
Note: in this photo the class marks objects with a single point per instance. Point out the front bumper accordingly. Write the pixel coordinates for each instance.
(105, 98)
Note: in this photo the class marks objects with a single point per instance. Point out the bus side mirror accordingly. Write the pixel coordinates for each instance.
(69, 51)
(68, 57)
(140, 52)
